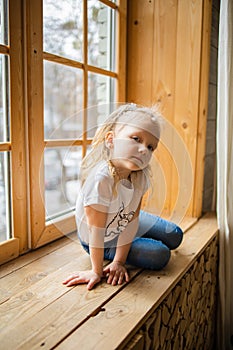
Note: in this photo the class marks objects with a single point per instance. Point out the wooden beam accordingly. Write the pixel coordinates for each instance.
(35, 94)
(18, 128)
(4, 49)
(9, 250)
(203, 108)
(5, 146)
(57, 229)
(121, 50)
(109, 4)
(102, 71)
(65, 143)
(62, 60)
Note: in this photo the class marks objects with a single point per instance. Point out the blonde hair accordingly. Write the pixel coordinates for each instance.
(100, 152)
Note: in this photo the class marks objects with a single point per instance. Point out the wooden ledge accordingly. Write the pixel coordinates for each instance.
(37, 311)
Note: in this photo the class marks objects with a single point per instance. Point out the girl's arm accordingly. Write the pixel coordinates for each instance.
(116, 270)
(96, 220)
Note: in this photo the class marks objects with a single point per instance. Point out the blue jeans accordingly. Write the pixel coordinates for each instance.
(151, 246)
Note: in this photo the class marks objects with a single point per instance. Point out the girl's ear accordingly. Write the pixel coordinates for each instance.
(109, 139)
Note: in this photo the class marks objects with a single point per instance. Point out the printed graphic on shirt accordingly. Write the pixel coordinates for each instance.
(119, 222)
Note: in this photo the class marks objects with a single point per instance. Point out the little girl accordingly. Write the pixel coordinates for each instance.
(115, 175)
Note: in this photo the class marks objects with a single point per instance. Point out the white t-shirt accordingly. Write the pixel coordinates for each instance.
(120, 204)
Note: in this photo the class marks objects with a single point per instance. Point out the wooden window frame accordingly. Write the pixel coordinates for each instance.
(17, 146)
(40, 232)
(27, 143)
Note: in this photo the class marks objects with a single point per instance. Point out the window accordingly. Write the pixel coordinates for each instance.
(61, 72)
(5, 214)
(13, 169)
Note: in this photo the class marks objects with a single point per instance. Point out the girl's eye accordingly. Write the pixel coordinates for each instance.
(150, 148)
(136, 138)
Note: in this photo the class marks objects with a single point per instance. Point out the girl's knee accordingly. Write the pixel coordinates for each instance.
(164, 258)
(177, 236)
(157, 260)
(148, 254)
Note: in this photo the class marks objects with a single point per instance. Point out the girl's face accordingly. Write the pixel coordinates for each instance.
(130, 147)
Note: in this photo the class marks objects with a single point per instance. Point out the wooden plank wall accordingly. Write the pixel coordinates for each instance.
(168, 63)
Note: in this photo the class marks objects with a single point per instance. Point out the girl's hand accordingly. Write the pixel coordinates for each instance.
(90, 277)
(116, 273)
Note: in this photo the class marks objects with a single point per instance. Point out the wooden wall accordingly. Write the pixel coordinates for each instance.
(168, 63)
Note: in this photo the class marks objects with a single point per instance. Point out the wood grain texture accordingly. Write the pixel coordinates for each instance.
(18, 172)
(129, 309)
(35, 111)
(36, 270)
(41, 312)
(168, 57)
(140, 51)
(9, 250)
(203, 109)
(121, 47)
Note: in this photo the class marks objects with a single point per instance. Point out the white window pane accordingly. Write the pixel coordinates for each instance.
(4, 99)
(4, 22)
(101, 35)
(62, 165)
(5, 227)
(62, 101)
(101, 94)
(63, 28)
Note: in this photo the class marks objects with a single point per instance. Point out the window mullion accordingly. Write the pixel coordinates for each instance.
(85, 75)
(35, 116)
(121, 50)
(17, 126)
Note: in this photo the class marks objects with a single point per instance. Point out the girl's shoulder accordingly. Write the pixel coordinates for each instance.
(98, 186)
(99, 174)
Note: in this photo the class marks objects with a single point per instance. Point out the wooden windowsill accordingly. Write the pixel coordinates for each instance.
(37, 311)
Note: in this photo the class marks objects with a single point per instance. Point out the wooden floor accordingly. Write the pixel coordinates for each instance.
(38, 312)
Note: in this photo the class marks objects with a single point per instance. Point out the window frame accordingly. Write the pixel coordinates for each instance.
(27, 108)
(42, 233)
(11, 248)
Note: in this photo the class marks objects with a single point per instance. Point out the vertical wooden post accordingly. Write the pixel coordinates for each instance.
(121, 51)
(35, 116)
(203, 108)
(17, 124)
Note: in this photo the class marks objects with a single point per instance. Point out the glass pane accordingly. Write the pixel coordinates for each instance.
(62, 166)
(101, 35)
(62, 101)
(5, 228)
(4, 99)
(4, 22)
(101, 93)
(63, 28)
